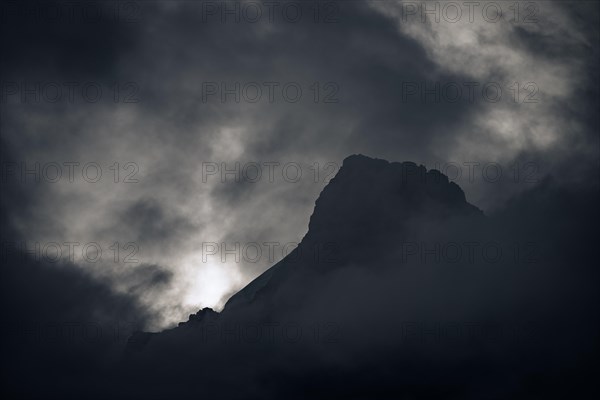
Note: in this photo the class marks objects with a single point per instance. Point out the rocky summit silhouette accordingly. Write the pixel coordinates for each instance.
(365, 210)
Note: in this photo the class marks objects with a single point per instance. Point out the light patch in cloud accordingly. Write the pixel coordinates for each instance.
(207, 283)
(489, 52)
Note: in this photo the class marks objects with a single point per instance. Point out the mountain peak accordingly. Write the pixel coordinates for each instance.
(369, 206)
(369, 194)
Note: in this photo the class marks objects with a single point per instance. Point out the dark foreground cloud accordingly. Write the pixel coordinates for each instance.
(62, 329)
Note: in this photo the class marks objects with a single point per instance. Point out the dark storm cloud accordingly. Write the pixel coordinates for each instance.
(154, 224)
(59, 323)
(147, 277)
(54, 39)
(369, 67)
